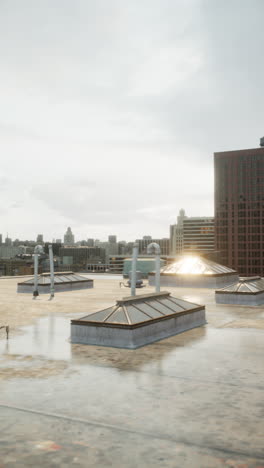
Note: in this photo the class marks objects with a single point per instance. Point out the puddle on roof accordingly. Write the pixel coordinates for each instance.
(48, 337)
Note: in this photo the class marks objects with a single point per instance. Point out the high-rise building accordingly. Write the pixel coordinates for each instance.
(8, 241)
(239, 209)
(1, 239)
(40, 239)
(112, 239)
(90, 242)
(121, 247)
(69, 237)
(198, 235)
(176, 234)
(111, 248)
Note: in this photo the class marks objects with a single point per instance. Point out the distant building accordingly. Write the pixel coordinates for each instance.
(198, 235)
(82, 243)
(176, 234)
(112, 239)
(90, 242)
(122, 245)
(81, 255)
(16, 242)
(1, 239)
(58, 241)
(7, 251)
(40, 239)
(69, 237)
(8, 241)
(110, 248)
(16, 266)
(55, 248)
(239, 209)
(163, 243)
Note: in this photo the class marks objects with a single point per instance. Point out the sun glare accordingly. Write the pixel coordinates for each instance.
(191, 265)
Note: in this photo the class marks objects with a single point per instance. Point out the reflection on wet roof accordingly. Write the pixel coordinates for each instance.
(251, 285)
(68, 277)
(140, 309)
(194, 265)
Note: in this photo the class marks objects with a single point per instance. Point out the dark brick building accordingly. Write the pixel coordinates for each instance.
(239, 210)
(81, 255)
(198, 235)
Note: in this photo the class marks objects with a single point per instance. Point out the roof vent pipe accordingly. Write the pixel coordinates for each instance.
(37, 251)
(134, 270)
(51, 272)
(154, 248)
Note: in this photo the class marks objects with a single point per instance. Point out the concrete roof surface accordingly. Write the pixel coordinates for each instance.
(192, 400)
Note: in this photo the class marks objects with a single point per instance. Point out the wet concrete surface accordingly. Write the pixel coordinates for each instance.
(193, 400)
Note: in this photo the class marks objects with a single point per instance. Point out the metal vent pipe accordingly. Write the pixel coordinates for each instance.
(51, 272)
(154, 248)
(38, 250)
(134, 270)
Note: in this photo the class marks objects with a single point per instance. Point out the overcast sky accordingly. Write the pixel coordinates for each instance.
(110, 110)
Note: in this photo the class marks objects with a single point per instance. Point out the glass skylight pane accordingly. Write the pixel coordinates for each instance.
(135, 315)
(183, 304)
(118, 317)
(98, 316)
(149, 310)
(173, 307)
(160, 307)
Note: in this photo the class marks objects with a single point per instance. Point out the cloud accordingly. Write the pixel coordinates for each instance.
(4, 182)
(110, 111)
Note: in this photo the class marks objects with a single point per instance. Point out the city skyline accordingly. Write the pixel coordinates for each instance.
(5, 238)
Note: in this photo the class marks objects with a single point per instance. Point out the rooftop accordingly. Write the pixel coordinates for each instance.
(190, 400)
(245, 152)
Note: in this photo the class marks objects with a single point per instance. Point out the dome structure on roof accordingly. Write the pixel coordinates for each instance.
(195, 271)
(245, 291)
(63, 281)
(138, 320)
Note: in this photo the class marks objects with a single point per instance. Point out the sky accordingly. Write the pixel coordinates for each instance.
(111, 110)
